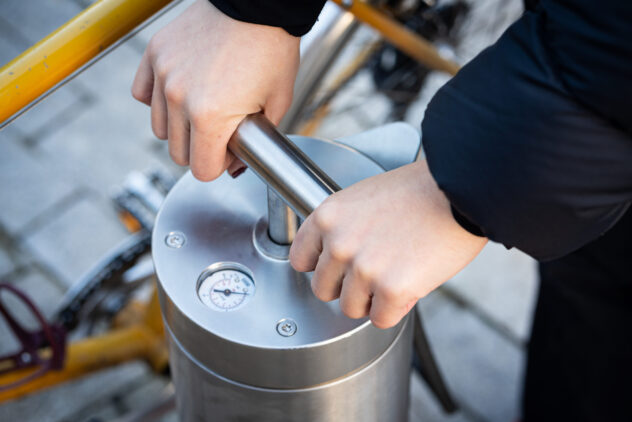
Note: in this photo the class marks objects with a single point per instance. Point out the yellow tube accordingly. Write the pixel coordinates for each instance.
(400, 36)
(72, 45)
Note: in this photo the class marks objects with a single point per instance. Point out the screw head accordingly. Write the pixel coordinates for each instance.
(286, 327)
(175, 240)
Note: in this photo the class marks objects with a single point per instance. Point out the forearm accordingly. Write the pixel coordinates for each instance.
(520, 157)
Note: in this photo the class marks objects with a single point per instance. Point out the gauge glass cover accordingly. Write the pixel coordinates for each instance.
(226, 289)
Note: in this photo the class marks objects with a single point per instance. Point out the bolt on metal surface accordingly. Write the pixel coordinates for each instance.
(175, 240)
(286, 327)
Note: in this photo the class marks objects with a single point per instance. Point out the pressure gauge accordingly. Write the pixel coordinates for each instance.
(226, 286)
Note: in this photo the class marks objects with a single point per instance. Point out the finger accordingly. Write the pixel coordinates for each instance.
(306, 247)
(388, 309)
(159, 112)
(355, 297)
(209, 156)
(236, 167)
(143, 81)
(327, 277)
(276, 106)
(178, 133)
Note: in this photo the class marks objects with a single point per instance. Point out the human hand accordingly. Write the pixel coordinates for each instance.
(382, 244)
(203, 73)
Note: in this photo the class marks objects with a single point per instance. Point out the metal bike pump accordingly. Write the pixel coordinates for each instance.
(248, 339)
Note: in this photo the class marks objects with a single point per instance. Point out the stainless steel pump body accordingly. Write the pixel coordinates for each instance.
(258, 345)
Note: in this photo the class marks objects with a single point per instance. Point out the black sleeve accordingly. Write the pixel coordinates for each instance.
(532, 141)
(296, 17)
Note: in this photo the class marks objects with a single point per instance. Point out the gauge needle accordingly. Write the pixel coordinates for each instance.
(229, 292)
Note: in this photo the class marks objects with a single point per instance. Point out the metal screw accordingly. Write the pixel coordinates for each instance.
(286, 327)
(175, 240)
(347, 3)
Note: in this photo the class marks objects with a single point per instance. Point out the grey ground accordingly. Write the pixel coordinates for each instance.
(60, 162)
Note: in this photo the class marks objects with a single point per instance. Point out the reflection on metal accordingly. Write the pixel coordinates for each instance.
(284, 167)
(283, 223)
(49, 62)
(319, 111)
(319, 48)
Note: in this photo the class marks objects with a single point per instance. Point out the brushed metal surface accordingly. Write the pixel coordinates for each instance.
(238, 365)
(219, 220)
(285, 168)
(377, 392)
(283, 223)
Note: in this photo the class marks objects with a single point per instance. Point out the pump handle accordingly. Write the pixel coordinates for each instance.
(281, 164)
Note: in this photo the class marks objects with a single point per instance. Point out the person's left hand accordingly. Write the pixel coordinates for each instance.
(382, 244)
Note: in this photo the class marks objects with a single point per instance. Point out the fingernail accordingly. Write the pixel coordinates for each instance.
(238, 172)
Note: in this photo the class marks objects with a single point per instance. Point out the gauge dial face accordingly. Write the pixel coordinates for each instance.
(226, 289)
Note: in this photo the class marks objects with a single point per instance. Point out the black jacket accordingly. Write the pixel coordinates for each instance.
(532, 140)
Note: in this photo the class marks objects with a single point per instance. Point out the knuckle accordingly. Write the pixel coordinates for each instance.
(299, 261)
(390, 291)
(366, 270)
(138, 93)
(161, 70)
(201, 116)
(203, 173)
(353, 312)
(321, 292)
(340, 251)
(325, 216)
(153, 46)
(160, 132)
(382, 321)
(178, 159)
(160, 65)
(174, 92)
(156, 45)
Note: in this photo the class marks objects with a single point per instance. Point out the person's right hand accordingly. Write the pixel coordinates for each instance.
(203, 73)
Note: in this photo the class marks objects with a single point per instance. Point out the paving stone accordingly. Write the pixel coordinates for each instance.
(28, 185)
(51, 114)
(98, 414)
(115, 130)
(152, 392)
(485, 23)
(114, 87)
(72, 242)
(9, 49)
(44, 294)
(482, 368)
(503, 284)
(424, 406)
(170, 417)
(60, 403)
(124, 403)
(35, 19)
(100, 151)
(6, 263)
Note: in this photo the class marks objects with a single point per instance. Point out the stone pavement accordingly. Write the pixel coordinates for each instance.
(60, 161)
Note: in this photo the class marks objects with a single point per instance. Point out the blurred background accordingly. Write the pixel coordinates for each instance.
(61, 162)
